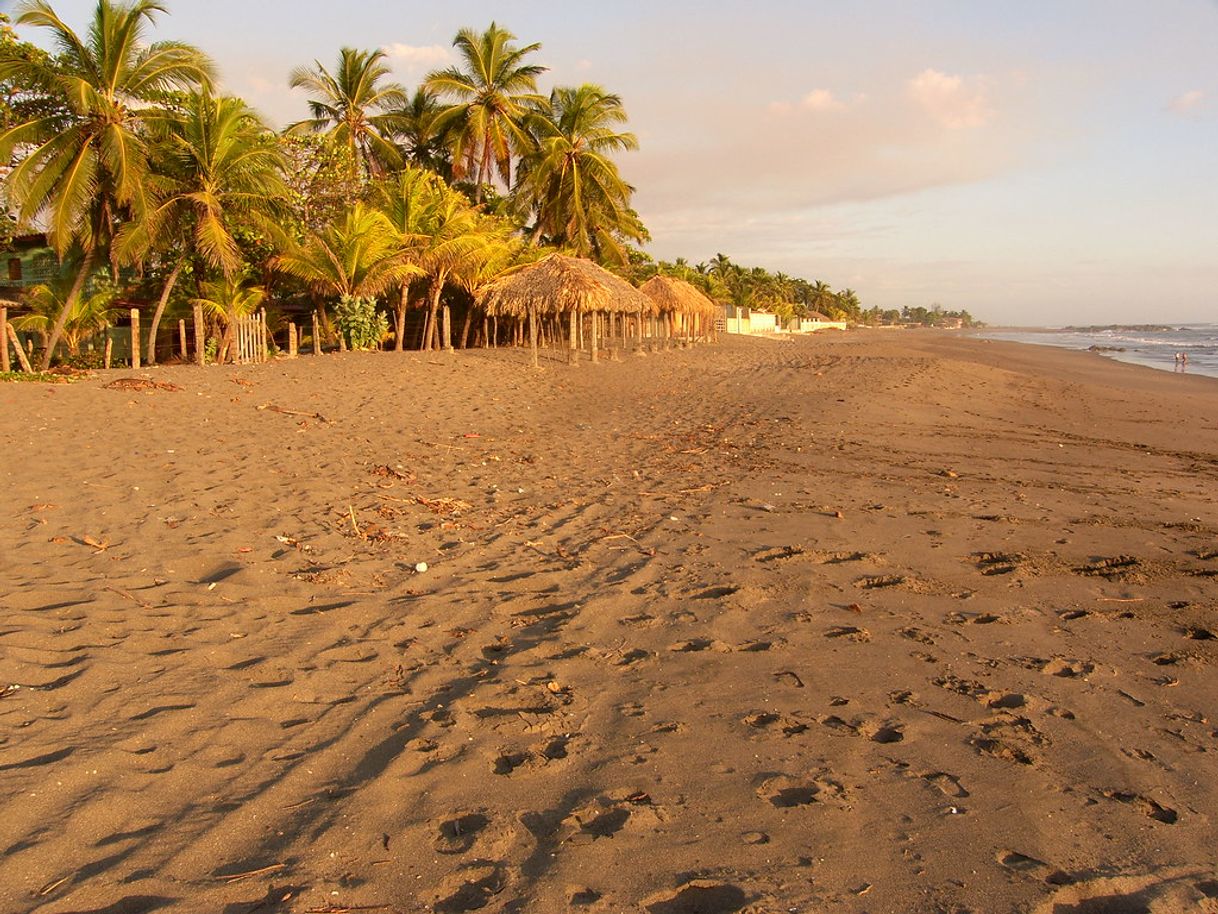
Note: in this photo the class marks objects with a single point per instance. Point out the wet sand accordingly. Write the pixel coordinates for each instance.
(866, 623)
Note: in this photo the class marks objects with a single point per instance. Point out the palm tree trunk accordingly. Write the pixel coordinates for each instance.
(400, 319)
(86, 266)
(469, 320)
(437, 287)
(170, 282)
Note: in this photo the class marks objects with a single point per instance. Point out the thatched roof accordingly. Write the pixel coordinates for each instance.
(559, 285)
(677, 296)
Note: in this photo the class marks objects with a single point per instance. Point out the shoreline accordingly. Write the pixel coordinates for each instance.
(870, 623)
(1136, 351)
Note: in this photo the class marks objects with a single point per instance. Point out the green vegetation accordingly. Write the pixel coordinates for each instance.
(383, 203)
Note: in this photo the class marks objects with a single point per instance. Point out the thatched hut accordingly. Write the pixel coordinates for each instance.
(559, 285)
(686, 308)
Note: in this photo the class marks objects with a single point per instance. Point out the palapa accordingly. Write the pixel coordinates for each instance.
(676, 296)
(562, 285)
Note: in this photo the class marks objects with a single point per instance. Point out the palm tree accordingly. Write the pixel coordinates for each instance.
(492, 97)
(848, 303)
(219, 166)
(456, 237)
(226, 300)
(87, 167)
(570, 182)
(424, 142)
(92, 311)
(822, 296)
(407, 200)
(355, 107)
(358, 256)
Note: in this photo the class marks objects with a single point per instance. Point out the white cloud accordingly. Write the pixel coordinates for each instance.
(951, 100)
(822, 100)
(1187, 102)
(416, 57)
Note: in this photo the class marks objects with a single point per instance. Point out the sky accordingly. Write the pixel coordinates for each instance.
(1041, 162)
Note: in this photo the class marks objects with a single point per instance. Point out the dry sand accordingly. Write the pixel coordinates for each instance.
(882, 622)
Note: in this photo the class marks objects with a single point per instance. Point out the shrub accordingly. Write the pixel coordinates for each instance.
(362, 326)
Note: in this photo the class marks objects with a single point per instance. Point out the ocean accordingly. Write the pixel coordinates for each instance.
(1155, 348)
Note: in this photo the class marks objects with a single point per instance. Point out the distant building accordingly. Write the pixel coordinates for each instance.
(29, 261)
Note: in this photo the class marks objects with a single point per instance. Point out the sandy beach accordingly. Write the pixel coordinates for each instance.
(872, 622)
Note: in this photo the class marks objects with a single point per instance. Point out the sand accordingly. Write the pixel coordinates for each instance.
(876, 622)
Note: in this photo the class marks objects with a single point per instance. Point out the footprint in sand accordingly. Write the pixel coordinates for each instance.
(1022, 863)
(948, 784)
(1147, 806)
(699, 896)
(470, 888)
(850, 632)
(456, 834)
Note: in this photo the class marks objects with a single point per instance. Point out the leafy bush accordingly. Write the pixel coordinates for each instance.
(362, 326)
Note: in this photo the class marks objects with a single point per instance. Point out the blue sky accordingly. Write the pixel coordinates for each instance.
(1037, 162)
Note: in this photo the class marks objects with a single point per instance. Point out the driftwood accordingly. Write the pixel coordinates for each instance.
(140, 384)
(293, 412)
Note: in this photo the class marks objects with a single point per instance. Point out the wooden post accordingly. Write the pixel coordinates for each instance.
(135, 338)
(200, 343)
(182, 339)
(572, 349)
(595, 319)
(264, 338)
(533, 333)
(292, 343)
(109, 349)
(316, 335)
(21, 357)
(5, 364)
(446, 326)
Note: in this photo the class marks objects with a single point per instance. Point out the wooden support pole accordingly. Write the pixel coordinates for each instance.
(316, 335)
(572, 348)
(182, 340)
(5, 364)
(592, 328)
(200, 344)
(292, 342)
(135, 338)
(109, 350)
(447, 328)
(533, 333)
(21, 357)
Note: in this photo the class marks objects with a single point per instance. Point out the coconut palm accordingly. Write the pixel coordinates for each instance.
(90, 313)
(218, 166)
(848, 303)
(500, 249)
(570, 181)
(227, 300)
(355, 106)
(407, 200)
(492, 94)
(425, 142)
(456, 238)
(358, 256)
(86, 167)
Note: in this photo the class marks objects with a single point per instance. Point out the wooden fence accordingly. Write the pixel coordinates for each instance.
(250, 339)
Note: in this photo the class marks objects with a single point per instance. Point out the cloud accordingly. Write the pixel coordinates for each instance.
(818, 100)
(822, 100)
(418, 57)
(951, 100)
(1187, 102)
